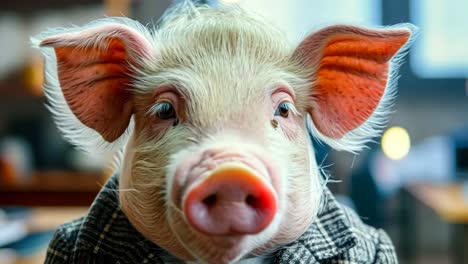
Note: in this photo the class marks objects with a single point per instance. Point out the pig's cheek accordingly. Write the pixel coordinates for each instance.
(300, 195)
(151, 127)
(290, 126)
(147, 208)
(157, 131)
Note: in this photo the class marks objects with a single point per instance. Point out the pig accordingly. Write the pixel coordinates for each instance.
(212, 114)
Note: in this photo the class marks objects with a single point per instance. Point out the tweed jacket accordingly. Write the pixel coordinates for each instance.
(105, 235)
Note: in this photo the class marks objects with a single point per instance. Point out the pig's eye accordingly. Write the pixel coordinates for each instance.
(164, 110)
(283, 110)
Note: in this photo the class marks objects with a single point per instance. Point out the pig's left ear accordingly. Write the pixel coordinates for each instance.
(89, 80)
(352, 77)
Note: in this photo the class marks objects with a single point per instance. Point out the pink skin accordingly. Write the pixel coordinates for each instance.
(191, 170)
(192, 173)
(206, 161)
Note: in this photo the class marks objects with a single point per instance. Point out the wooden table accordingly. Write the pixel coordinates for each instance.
(55, 196)
(448, 203)
(446, 200)
(44, 219)
(53, 188)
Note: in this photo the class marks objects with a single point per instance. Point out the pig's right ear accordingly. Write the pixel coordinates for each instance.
(352, 75)
(88, 78)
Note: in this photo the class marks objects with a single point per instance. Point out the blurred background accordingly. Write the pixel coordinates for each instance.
(412, 182)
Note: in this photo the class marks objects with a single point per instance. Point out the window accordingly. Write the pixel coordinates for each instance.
(441, 49)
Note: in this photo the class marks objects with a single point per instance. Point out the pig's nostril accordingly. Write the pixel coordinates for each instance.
(251, 200)
(210, 200)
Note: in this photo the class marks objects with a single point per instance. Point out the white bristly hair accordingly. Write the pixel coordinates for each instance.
(167, 39)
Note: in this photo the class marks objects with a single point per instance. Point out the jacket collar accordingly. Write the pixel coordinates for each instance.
(329, 235)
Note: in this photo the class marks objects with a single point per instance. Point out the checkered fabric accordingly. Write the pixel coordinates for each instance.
(105, 235)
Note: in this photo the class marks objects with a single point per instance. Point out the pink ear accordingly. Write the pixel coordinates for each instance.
(351, 73)
(94, 72)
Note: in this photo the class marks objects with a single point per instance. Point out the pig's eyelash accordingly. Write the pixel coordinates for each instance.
(158, 108)
(292, 108)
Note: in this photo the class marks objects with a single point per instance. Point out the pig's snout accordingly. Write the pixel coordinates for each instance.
(232, 200)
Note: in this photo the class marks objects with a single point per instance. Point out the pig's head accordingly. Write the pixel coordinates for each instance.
(215, 109)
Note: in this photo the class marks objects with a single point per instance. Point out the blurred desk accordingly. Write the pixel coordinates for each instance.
(48, 218)
(54, 188)
(448, 203)
(446, 200)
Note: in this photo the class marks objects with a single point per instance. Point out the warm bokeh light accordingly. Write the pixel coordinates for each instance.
(396, 143)
(117, 7)
(34, 75)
